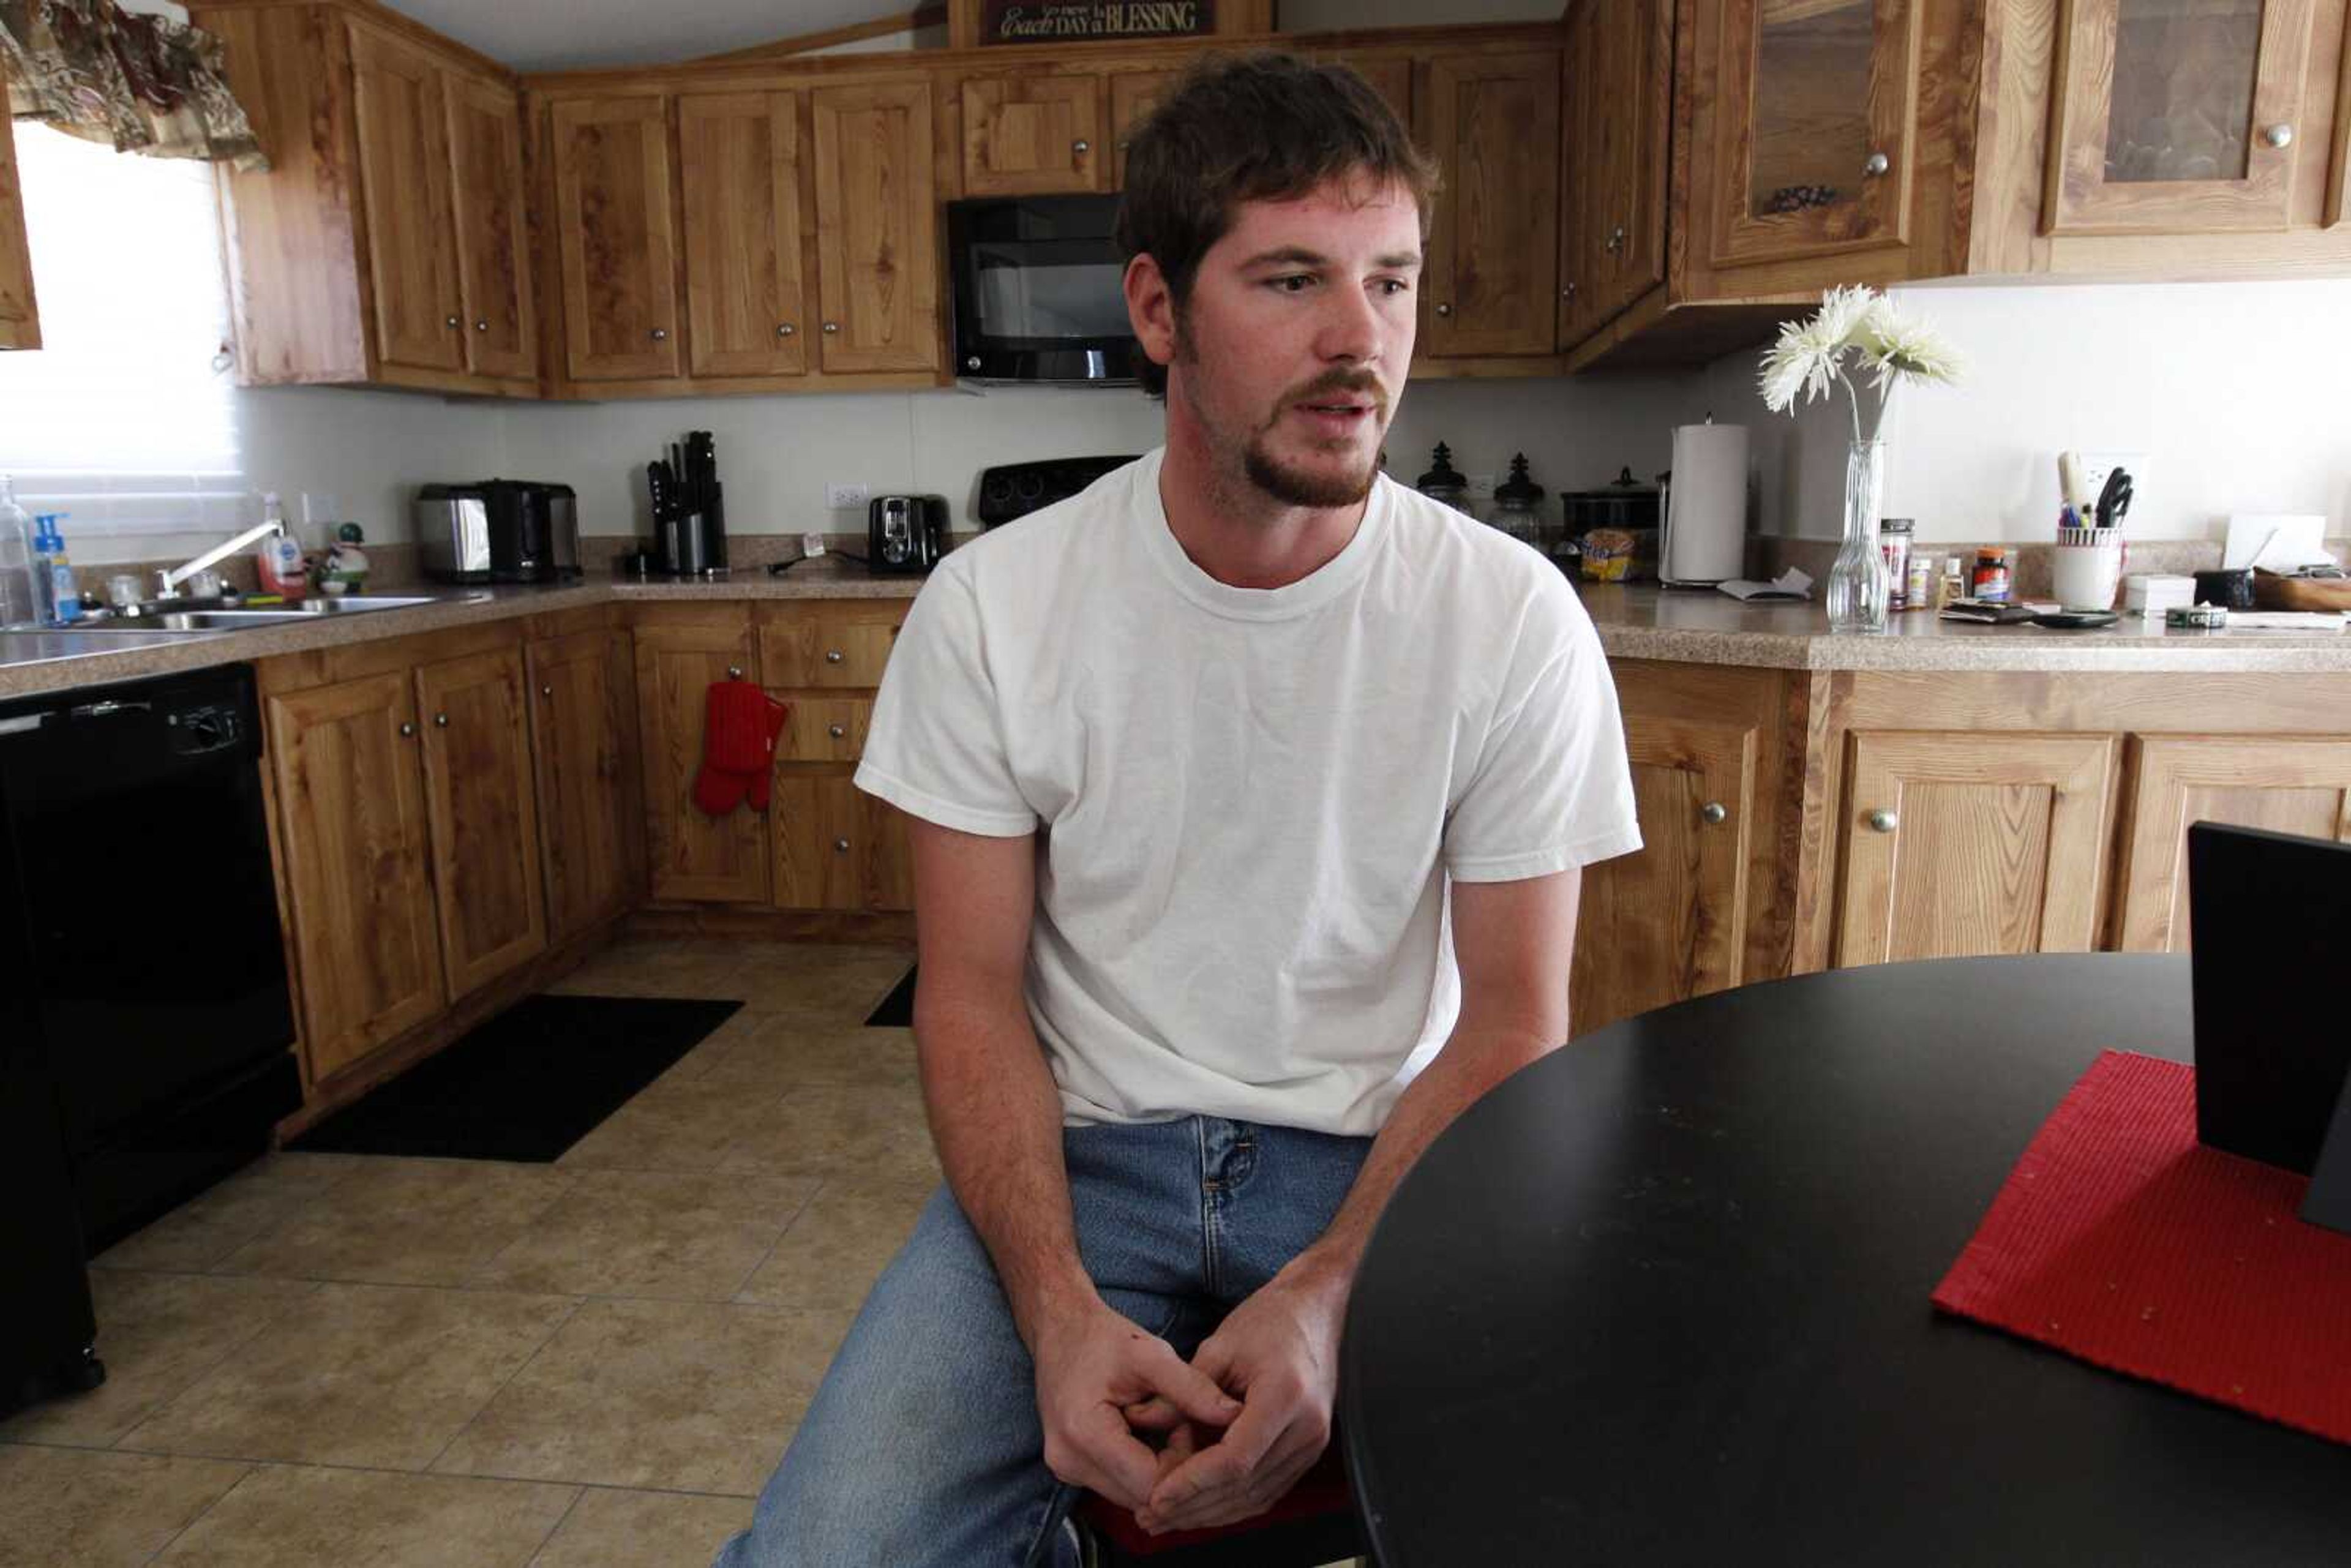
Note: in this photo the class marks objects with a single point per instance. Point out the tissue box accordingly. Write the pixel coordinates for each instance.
(2152, 593)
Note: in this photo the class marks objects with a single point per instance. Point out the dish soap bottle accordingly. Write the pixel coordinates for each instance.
(52, 573)
(20, 597)
(279, 560)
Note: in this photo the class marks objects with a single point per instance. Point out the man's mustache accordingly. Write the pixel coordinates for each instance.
(1330, 381)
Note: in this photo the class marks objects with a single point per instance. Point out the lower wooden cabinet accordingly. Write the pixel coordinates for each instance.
(583, 732)
(352, 829)
(1957, 844)
(2289, 784)
(1669, 920)
(833, 846)
(691, 854)
(479, 791)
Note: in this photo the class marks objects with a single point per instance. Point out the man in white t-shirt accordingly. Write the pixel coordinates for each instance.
(1249, 794)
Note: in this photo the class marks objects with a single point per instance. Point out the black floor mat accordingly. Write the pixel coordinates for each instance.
(526, 1085)
(897, 1008)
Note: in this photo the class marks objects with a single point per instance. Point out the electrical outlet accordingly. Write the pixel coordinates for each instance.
(844, 497)
(2096, 466)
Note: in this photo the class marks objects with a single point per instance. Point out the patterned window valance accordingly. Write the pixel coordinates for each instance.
(146, 84)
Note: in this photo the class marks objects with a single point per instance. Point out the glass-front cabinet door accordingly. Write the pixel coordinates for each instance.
(2178, 116)
(1819, 117)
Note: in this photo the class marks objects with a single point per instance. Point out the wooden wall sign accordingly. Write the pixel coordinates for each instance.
(1089, 21)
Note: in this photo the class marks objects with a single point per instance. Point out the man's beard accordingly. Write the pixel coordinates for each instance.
(1293, 487)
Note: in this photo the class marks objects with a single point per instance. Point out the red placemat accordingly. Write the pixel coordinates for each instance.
(2119, 1240)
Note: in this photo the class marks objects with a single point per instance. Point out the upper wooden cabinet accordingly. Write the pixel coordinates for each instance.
(1132, 96)
(2177, 118)
(20, 322)
(614, 232)
(739, 163)
(1491, 274)
(1615, 120)
(876, 227)
(1028, 132)
(387, 242)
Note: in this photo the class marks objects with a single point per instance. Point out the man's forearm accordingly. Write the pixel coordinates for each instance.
(996, 1119)
(1462, 1071)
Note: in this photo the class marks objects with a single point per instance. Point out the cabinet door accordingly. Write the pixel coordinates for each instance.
(20, 323)
(825, 729)
(1669, 920)
(1028, 134)
(890, 859)
(403, 136)
(1612, 215)
(1958, 845)
(578, 731)
(876, 227)
(352, 829)
(830, 645)
(2177, 118)
(492, 218)
(1132, 96)
(1492, 122)
(613, 226)
(740, 162)
(2288, 784)
(819, 842)
(479, 791)
(693, 855)
(1819, 103)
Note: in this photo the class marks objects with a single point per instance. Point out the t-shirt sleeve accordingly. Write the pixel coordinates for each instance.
(1553, 787)
(936, 747)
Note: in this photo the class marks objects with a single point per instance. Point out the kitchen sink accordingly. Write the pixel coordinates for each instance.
(181, 621)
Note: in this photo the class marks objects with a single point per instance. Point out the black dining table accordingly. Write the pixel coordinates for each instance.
(1662, 1297)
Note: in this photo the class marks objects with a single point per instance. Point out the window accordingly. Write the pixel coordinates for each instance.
(125, 417)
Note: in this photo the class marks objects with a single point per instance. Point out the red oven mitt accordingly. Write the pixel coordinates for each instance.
(739, 727)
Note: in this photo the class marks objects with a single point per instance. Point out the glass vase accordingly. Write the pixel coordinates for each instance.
(1857, 582)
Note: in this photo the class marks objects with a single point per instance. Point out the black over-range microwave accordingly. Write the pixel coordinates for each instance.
(1037, 291)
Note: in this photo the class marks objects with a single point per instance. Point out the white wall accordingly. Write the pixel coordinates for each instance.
(2235, 392)
(776, 455)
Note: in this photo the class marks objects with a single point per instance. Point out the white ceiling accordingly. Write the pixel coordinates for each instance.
(565, 35)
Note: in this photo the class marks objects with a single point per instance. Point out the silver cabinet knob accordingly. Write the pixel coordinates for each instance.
(972, 363)
(1885, 821)
(407, 730)
(456, 321)
(785, 329)
(734, 672)
(1081, 146)
(841, 846)
(483, 325)
(1444, 311)
(831, 327)
(1876, 163)
(1616, 238)
(1713, 812)
(2279, 136)
(835, 731)
(832, 655)
(547, 690)
(661, 334)
(1568, 292)
(440, 721)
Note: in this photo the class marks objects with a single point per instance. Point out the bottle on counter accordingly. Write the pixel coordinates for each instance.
(1918, 594)
(1992, 578)
(53, 578)
(1893, 544)
(20, 597)
(283, 568)
(1953, 583)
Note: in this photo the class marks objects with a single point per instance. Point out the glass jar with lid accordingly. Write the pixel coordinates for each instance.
(1518, 505)
(1442, 483)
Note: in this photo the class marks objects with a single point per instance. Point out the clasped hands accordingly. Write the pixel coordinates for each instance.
(1192, 1445)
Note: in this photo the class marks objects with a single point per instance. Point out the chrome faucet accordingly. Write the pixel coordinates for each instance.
(167, 583)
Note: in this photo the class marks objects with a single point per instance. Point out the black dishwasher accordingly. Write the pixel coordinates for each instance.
(145, 912)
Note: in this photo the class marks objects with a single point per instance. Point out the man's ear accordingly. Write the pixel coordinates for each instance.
(1150, 309)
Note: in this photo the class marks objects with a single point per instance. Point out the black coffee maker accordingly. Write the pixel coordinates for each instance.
(905, 533)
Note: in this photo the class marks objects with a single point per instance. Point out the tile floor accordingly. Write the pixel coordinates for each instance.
(345, 1359)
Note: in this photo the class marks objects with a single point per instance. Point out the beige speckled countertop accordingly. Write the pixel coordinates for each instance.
(1634, 622)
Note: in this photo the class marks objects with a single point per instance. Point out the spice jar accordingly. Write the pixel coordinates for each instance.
(1992, 577)
(1920, 592)
(1893, 544)
(1953, 583)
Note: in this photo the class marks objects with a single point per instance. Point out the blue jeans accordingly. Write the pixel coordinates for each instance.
(924, 1446)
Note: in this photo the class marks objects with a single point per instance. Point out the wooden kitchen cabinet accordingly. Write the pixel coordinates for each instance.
(20, 319)
(1030, 133)
(1132, 96)
(481, 800)
(1617, 69)
(1959, 844)
(2178, 119)
(356, 847)
(2288, 784)
(613, 229)
(692, 855)
(876, 227)
(1670, 920)
(739, 165)
(387, 242)
(1490, 282)
(583, 727)
(834, 847)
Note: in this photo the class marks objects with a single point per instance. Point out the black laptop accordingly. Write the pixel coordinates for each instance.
(2270, 920)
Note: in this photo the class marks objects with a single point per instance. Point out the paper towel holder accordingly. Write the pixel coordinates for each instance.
(1714, 541)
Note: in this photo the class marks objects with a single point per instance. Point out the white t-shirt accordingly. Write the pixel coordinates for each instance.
(1247, 802)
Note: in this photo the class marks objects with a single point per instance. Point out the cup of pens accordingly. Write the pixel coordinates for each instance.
(2088, 568)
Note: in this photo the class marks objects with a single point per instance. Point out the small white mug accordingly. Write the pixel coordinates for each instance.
(2085, 575)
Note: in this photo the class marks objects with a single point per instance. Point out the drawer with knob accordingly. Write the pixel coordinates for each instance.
(824, 729)
(834, 643)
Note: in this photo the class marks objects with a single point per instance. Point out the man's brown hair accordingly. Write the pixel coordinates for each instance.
(1264, 126)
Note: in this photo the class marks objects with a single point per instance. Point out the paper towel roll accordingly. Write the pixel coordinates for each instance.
(1706, 513)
